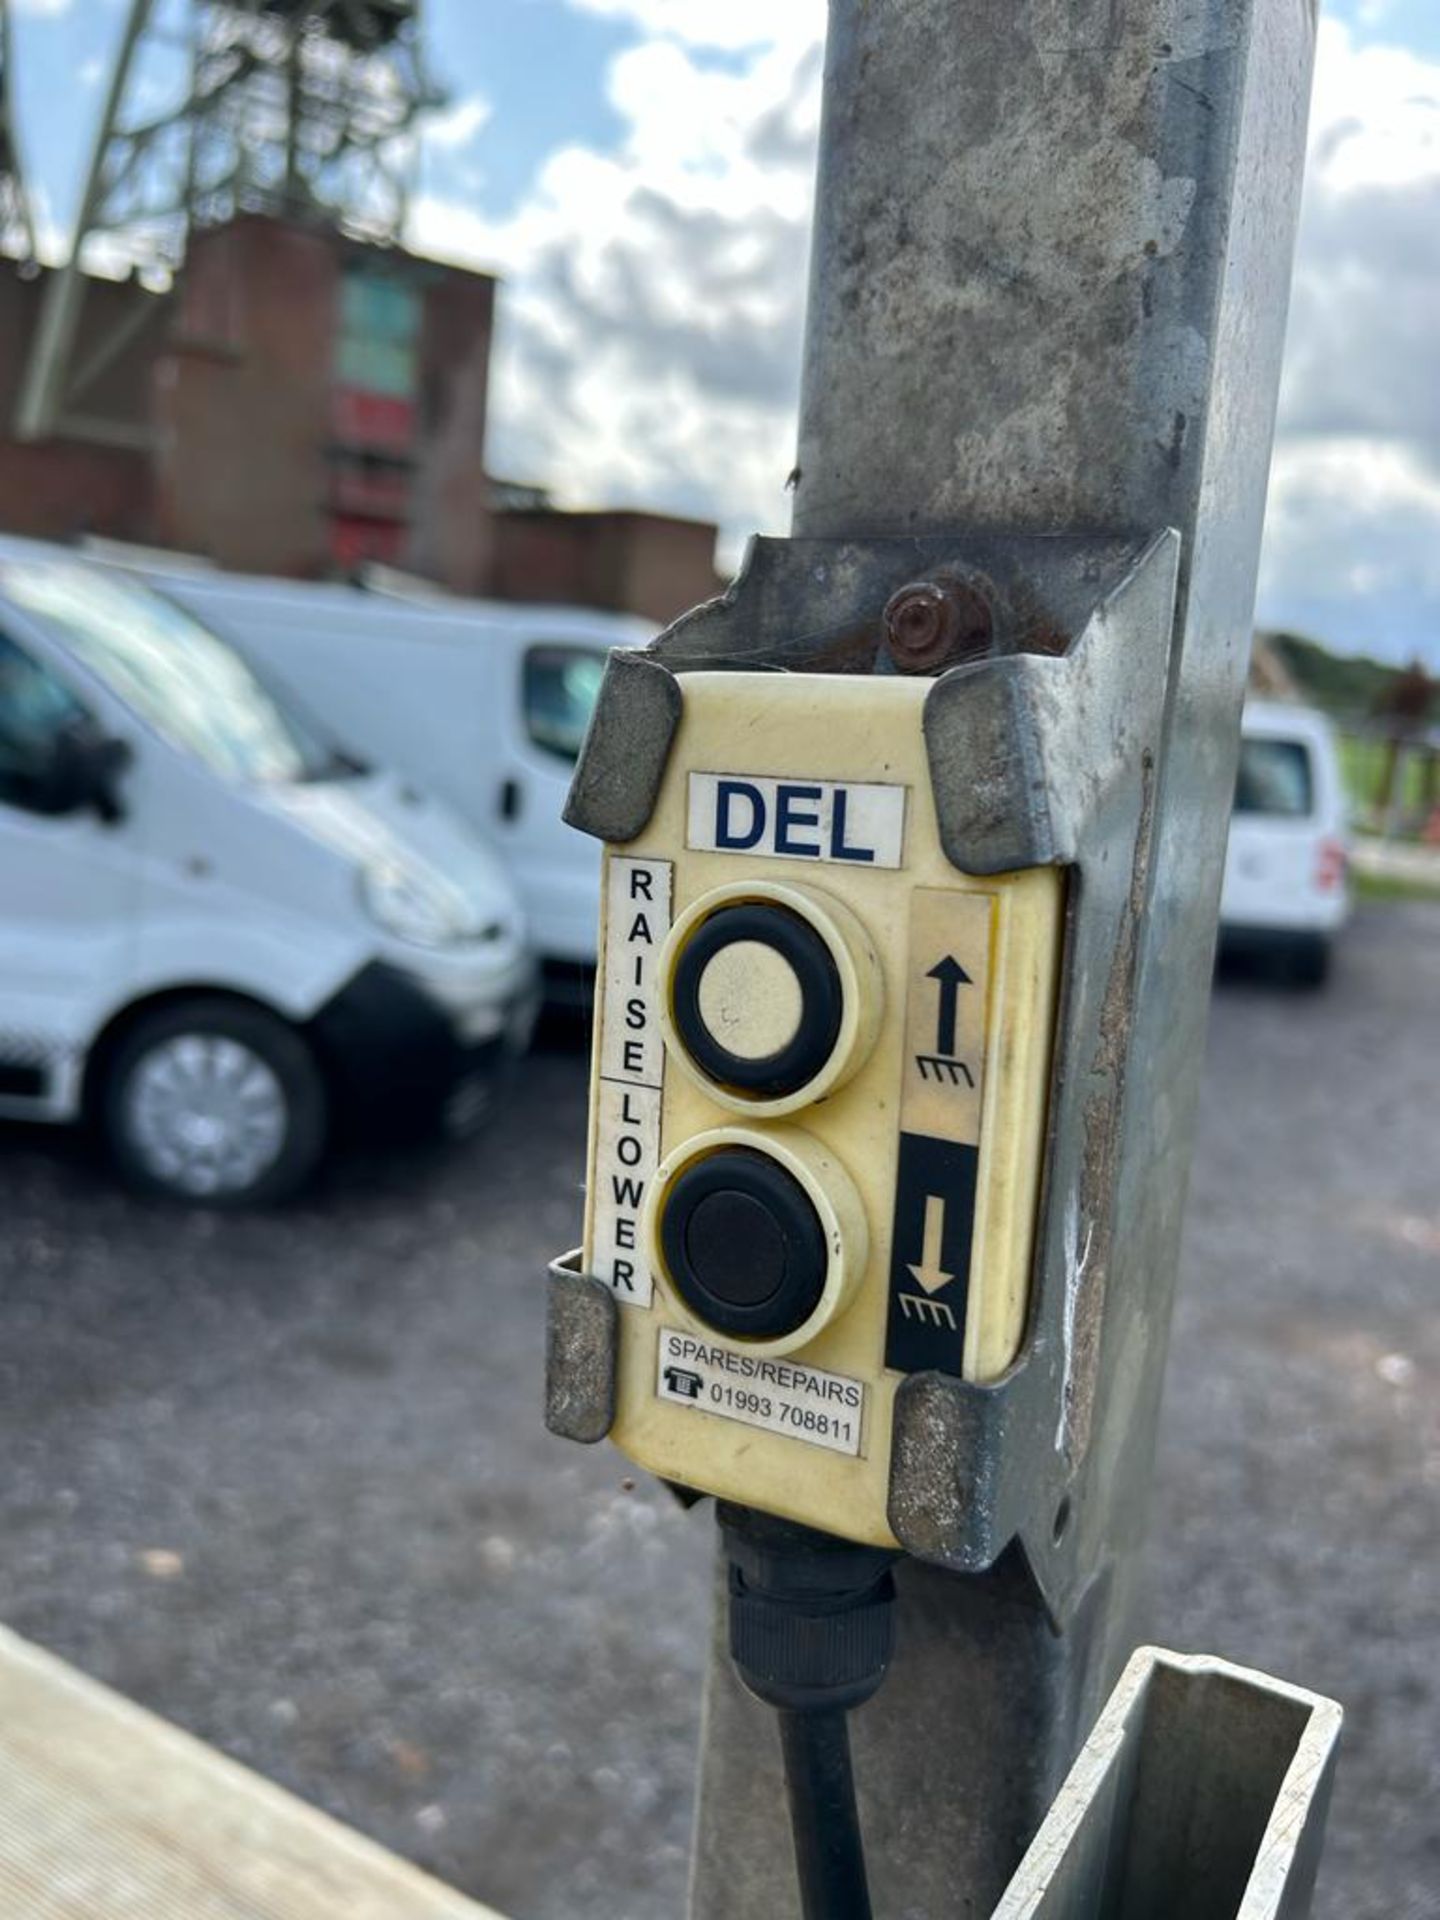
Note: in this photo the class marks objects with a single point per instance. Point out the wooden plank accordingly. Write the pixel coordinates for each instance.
(109, 1813)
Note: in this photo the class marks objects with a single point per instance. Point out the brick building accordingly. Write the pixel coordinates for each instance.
(103, 482)
(299, 403)
(646, 563)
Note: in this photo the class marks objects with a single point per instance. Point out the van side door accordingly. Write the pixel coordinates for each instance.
(69, 887)
(556, 869)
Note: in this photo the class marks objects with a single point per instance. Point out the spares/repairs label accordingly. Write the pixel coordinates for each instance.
(822, 1409)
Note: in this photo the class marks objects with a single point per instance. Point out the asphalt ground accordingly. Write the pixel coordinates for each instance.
(284, 1478)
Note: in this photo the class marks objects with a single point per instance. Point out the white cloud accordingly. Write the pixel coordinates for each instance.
(455, 126)
(41, 8)
(1375, 118)
(52, 241)
(1323, 490)
(723, 24)
(648, 350)
(1353, 535)
(1353, 532)
(650, 324)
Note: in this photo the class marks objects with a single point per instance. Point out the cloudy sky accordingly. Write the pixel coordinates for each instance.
(639, 171)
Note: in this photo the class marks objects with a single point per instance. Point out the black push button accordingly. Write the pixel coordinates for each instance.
(743, 1244)
(807, 975)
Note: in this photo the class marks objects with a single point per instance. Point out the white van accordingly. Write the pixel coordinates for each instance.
(482, 703)
(486, 704)
(1286, 892)
(221, 939)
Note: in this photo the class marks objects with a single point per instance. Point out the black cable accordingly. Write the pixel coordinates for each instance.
(811, 1635)
(829, 1852)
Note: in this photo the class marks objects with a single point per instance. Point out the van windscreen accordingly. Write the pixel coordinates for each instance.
(183, 680)
(1275, 778)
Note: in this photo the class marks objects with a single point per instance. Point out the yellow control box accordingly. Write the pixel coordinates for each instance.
(818, 1105)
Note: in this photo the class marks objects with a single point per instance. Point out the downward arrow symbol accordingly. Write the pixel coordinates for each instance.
(929, 1274)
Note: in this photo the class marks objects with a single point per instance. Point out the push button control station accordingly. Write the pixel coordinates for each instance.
(818, 1108)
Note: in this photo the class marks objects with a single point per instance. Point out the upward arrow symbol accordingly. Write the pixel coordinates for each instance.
(952, 976)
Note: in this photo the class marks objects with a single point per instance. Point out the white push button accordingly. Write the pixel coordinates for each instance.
(750, 1000)
(770, 995)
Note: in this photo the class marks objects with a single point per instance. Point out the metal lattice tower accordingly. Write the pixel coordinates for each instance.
(17, 228)
(303, 109)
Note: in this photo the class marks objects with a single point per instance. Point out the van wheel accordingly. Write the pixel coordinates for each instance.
(1308, 962)
(214, 1103)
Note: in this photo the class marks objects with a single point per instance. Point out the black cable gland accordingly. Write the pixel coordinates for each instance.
(811, 1617)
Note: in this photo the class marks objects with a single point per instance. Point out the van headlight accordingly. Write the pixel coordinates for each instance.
(404, 905)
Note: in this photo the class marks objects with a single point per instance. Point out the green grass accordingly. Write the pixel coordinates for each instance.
(1389, 886)
(1362, 763)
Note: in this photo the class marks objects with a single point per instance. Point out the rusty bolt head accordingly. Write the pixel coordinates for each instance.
(937, 623)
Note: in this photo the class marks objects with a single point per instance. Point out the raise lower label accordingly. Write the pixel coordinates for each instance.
(631, 1076)
(803, 1403)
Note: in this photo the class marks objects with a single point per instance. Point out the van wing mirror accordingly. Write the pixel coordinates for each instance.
(85, 770)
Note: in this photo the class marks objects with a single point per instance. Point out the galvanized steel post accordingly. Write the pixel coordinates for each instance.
(1052, 248)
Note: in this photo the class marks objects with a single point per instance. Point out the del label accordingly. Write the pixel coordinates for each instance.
(848, 823)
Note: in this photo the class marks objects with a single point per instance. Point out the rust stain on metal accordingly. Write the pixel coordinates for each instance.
(938, 623)
(848, 649)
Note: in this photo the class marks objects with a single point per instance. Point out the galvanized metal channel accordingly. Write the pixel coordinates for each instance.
(1048, 296)
(1200, 1795)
